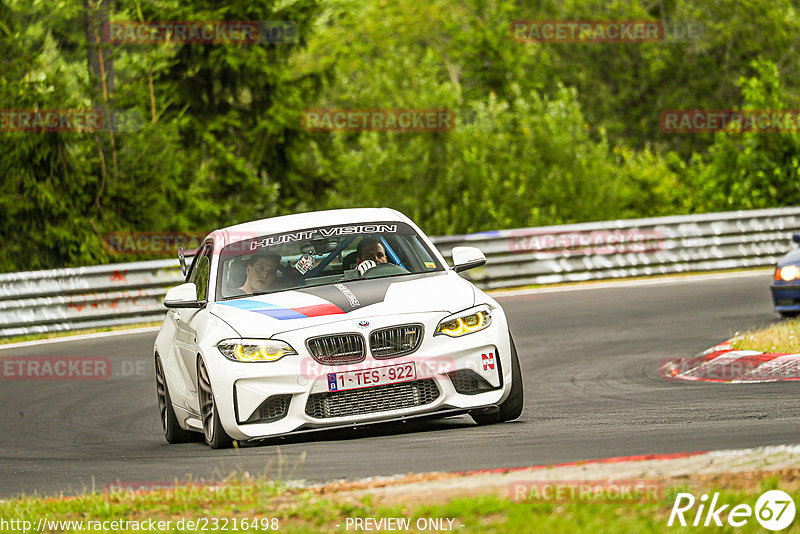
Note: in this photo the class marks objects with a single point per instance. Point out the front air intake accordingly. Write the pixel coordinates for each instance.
(272, 409)
(370, 400)
(468, 382)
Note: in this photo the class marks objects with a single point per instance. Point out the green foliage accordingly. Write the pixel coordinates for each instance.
(524, 163)
(750, 170)
(45, 186)
(211, 141)
(518, 157)
(625, 86)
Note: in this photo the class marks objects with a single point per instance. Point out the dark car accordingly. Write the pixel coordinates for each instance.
(786, 283)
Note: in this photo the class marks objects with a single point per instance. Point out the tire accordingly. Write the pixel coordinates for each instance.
(214, 434)
(511, 408)
(173, 432)
(789, 315)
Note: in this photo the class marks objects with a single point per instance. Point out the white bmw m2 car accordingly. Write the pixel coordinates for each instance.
(328, 319)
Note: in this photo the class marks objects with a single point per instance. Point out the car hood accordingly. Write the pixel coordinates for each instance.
(266, 315)
(791, 257)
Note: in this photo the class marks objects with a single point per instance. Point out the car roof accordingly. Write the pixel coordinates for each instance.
(312, 219)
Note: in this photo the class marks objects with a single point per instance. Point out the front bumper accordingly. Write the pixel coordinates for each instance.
(243, 389)
(442, 411)
(786, 296)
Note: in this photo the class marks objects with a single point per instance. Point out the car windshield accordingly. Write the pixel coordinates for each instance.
(320, 256)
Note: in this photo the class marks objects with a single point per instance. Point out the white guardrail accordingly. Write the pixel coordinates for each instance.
(118, 294)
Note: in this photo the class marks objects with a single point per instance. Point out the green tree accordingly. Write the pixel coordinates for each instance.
(519, 156)
(212, 142)
(750, 170)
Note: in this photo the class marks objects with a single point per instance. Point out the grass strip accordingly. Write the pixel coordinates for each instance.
(780, 337)
(270, 507)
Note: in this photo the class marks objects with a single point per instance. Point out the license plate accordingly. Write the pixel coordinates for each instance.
(391, 374)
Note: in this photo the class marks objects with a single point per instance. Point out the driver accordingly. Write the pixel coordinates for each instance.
(369, 253)
(261, 270)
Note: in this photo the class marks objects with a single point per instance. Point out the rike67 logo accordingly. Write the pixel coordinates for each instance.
(774, 510)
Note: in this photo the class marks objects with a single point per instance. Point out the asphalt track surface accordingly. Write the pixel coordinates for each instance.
(590, 363)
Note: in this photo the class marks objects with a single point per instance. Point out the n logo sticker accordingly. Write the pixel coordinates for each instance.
(488, 361)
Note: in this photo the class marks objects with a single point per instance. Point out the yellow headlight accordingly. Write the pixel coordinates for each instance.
(789, 273)
(266, 350)
(466, 324)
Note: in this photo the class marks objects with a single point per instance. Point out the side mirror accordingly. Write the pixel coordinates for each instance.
(183, 255)
(465, 258)
(183, 296)
(796, 238)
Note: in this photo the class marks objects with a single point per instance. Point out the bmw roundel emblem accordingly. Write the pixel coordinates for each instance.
(363, 323)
